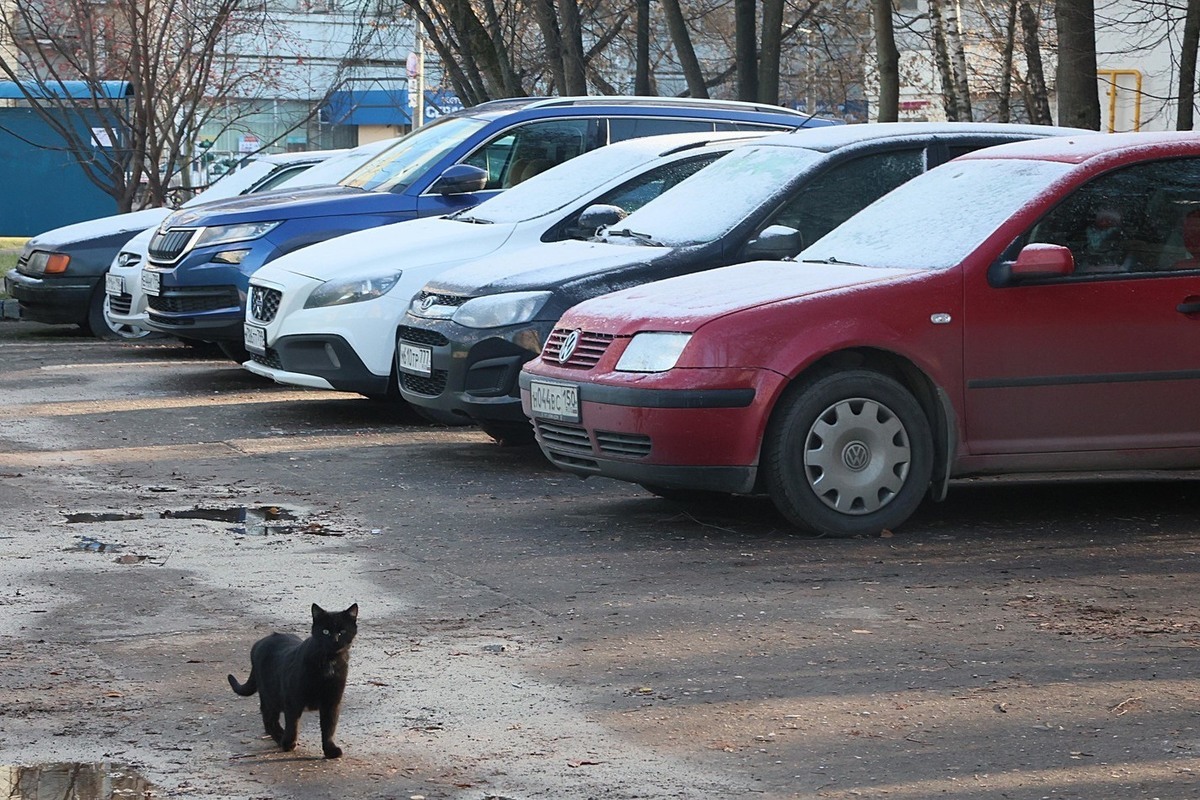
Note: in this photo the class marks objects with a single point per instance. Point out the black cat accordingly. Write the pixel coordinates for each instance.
(292, 676)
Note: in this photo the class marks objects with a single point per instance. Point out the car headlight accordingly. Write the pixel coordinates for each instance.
(352, 289)
(243, 232)
(42, 262)
(499, 310)
(653, 352)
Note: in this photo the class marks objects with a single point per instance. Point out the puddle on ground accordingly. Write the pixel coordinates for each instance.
(74, 781)
(252, 521)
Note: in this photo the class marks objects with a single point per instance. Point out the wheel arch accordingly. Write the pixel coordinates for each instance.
(932, 399)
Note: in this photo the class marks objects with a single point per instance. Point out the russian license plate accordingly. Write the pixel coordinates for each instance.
(114, 284)
(151, 282)
(256, 338)
(557, 401)
(416, 360)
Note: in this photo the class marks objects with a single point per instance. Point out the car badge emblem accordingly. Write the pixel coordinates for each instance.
(428, 302)
(568, 346)
(256, 304)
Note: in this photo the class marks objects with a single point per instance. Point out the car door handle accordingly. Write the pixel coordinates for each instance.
(1189, 306)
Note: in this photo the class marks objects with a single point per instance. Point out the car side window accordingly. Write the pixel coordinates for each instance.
(622, 128)
(1141, 219)
(634, 193)
(522, 152)
(842, 191)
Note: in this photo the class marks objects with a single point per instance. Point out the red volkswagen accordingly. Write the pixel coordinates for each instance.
(1032, 307)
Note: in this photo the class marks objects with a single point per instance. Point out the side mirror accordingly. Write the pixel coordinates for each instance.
(599, 216)
(773, 243)
(1043, 261)
(461, 179)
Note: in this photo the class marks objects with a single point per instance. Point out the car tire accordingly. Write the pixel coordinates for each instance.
(848, 454)
(99, 325)
(509, 434)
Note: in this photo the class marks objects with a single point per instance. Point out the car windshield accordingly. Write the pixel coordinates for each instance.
(408, 159)
(714, 200)
(937, 219)
(559, 186)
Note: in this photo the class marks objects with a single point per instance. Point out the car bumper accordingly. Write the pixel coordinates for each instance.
(56, 300)
(473, 373)
(204, 301)
(704, 432)
(317, 361)
(128, 306)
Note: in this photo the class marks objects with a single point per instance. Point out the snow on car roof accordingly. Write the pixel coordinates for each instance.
(1079, 148)
(835, 137)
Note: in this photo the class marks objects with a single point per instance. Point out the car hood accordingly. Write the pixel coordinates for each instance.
(542, 266)
(404, 245)
(325, 201)
(131, 223)
(689, 301)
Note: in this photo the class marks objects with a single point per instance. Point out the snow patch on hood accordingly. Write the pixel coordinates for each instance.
(131, 223)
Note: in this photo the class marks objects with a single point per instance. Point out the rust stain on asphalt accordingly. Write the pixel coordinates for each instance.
(245, 447)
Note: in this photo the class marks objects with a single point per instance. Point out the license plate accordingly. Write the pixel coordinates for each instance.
(114, 284)
(417, 360)
(556, 401)
(151, 282)
(256, 338)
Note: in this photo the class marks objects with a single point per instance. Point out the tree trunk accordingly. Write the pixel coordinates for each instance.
(888, 59)
(769, 52)
(1078, 97)
(746, 47)
(958, 61)
(574, 68)
(684, 50)
(641, 79)
(941, 57)
(1185, 115)
(1035, 76)
(547, 19)
(1004, 106)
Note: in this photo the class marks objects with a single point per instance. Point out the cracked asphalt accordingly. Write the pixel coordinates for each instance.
(523, 634)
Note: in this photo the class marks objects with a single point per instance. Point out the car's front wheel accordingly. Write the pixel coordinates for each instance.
(848, 454)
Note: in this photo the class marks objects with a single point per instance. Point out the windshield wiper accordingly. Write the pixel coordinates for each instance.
(830, 260)
(643, 238)
(460, 216)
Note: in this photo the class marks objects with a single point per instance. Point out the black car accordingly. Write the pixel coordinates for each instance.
(460, 347)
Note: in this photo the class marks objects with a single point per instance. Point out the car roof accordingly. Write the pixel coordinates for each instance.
(494, 109)
(832, 138)
(1093, 145)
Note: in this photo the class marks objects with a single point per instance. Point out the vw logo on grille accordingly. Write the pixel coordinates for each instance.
(568, 347)
(856, 456)
(256, 304)
(428, 302)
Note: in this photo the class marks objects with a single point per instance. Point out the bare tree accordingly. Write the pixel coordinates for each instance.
(1037, 99)
(684, 50)
(887, 59)
(1185, 116)
(746, 50)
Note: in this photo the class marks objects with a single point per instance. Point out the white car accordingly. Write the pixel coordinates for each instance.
(125, 302)
(325, 316)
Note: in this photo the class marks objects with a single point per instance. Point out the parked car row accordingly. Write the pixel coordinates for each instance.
(841, 318)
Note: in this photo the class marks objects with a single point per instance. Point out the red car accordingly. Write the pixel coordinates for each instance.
(1032, 307)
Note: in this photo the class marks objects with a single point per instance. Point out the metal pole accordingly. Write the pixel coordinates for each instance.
(419, 118)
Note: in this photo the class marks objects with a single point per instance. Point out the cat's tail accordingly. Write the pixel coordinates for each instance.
(244, 689)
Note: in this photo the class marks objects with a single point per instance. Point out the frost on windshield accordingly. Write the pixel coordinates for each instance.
(718, 197)
(937, 219)
(555, 188)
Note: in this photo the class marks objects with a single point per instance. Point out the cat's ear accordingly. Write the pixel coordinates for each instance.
(318, 612)
(352, 612)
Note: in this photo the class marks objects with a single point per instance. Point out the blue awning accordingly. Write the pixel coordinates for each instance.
(109, 90)
(368, 107)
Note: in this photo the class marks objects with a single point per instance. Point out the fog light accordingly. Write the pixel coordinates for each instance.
(230, 256)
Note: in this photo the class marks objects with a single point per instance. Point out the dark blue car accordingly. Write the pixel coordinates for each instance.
(200, 261)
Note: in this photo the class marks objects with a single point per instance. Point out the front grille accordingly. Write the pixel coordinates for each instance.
(120, 303)
(623, 445)
(264, 303)
(170, 245)
(194, 299)
(569, 438)
(588, 351)
(268, 359)
(421, 336)
(438, 299)
(432, 386)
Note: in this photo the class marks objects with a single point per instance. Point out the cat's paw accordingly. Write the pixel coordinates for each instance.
(331, 750)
